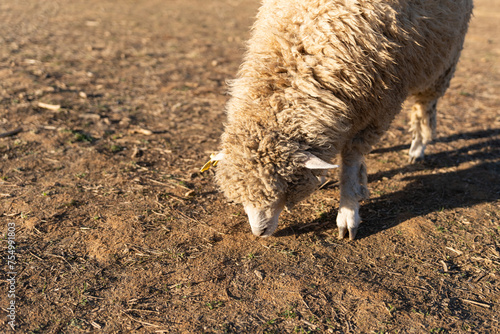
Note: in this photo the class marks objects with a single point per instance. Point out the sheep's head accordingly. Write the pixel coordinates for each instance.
(266, 176)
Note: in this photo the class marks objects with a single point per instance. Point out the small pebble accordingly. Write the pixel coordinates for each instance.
(259, 274)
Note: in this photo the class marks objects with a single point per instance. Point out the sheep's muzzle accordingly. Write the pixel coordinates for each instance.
(264, 221)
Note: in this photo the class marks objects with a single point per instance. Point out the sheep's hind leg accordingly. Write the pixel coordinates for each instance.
(353, 180)
(423, 127)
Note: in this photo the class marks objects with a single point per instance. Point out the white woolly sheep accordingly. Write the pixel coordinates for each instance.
(323, 77)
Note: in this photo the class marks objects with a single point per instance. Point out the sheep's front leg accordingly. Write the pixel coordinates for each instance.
(353, 188)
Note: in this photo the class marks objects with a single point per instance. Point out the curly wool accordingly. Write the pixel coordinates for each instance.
(319, 73)
(262, 155)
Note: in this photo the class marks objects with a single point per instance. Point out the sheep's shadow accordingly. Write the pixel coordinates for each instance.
(426, 193)
(466, 135)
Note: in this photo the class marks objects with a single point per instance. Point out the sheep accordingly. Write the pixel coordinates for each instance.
(327, 77)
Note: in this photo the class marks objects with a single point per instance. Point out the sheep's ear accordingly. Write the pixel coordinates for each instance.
(313, 162)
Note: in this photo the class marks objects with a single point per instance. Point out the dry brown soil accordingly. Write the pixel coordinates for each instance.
(116, 231)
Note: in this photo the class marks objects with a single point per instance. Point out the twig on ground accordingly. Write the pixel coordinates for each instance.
(445, 266)
(162, 183)
(170, 183)
(313, 326)
(199, 222)
(139, 310)
(53, 107)
(454, 250)
(11, 133)
(139, 321)
(307, 225)
(39, 258)
(61, 257)
(476, 303)
(141, 131)
(189, 283)
(95, 325)
(158, 213)
(93, 297)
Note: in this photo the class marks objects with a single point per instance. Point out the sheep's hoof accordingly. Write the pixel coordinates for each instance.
(352, 233)
(343, 233)
(413, 160)
(416, 151)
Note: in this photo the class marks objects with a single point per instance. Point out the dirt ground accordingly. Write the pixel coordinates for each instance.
(117, 104)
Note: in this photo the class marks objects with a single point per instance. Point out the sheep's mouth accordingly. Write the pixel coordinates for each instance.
(265, 232)
(264, 221)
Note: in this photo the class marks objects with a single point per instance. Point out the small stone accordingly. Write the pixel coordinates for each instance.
(259, 274)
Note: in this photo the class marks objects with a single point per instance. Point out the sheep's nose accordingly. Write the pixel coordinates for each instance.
(264, 221)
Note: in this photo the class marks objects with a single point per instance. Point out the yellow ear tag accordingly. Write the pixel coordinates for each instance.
(209, 164)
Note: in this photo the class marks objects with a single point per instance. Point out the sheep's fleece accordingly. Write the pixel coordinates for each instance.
(326, 77)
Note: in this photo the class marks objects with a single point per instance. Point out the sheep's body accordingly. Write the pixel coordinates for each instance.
(328, 77)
